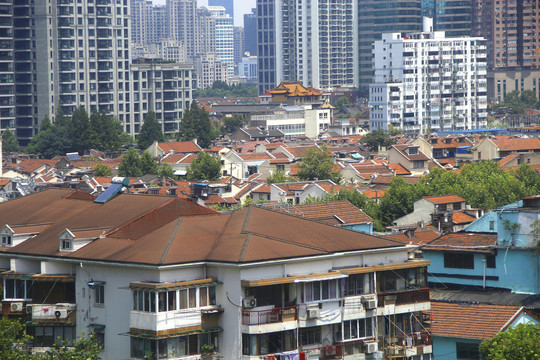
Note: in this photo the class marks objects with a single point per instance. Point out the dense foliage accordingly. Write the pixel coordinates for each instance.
(150, 131)
(79, 133)
(204, 167)
(221, 89)
(9, 141)
(135, 165)
(518, 102)
(318, 164)
(279, 176)
(196, 125)
(521, 342)
(232, 123)
(378, 138)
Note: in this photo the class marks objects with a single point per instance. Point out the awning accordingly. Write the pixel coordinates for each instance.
(322, 278)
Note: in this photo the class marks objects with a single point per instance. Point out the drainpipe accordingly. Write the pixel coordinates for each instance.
(484, 260)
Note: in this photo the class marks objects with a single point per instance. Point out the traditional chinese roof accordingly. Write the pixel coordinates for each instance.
(293, 88)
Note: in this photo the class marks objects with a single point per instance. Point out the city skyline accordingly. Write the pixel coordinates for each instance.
(240, 8)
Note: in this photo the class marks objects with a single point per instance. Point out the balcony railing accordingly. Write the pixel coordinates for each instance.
(404, 297)
(269, 316)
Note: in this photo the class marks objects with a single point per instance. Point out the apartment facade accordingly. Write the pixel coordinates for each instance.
(148, 22)
(428, 81)
(7, 71)
(147, 289)
(224, 37)
(164, 88)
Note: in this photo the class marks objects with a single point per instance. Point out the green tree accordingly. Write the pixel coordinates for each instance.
(166, 170)
(9, 142)
(398, 201)
(529, 177)
(318, 164)
(521, 342)
(83, 348)
(393, 131)
(222, 89)
(196, 125)
(79, 130)
(341, 102)
(130, 166)
(102, 170)
(148, 164)
(278, 176)
(105, 132)
(204, 167)
(51, 142)
(230, 124)
(150, 131)
(378, 138)
(13, 336)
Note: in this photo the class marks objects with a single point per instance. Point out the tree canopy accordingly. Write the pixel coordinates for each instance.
(78, 133)
(521, 342)
(279, 176)
(232, 123)
(204, 167)
(9, 141)
(150, 131)
(196, 125)
(318, 164)
(518, 102)
(378, 138)
(221, 89)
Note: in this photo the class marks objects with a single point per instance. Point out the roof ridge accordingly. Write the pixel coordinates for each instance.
(244, 247)
(171, 239)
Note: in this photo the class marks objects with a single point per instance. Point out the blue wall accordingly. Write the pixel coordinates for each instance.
(517, 270)
(444, 348)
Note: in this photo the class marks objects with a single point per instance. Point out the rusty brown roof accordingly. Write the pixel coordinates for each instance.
(334, 213)
(163, 230)
(462, 241)
(480, 321)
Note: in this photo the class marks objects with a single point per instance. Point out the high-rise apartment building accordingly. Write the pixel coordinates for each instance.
(224, 37)
(376, 17)
(238, 36)
(428, 81)
(250, 32)
(205, 28)
(454, 17)
(181, 16)
(227, 4)
(510, 28)
(311, 41)
(7, 75)
(148, 22)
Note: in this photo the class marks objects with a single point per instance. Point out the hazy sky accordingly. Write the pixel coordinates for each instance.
(241, 7)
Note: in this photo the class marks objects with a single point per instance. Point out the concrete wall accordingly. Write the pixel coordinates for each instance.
(444, 348)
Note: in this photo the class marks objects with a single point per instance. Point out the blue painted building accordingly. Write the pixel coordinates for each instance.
(495, 251)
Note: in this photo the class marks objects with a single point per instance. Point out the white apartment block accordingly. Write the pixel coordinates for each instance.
(209, 68)
(164, 88)
(428, 81)
(224, 37)
(303, 120)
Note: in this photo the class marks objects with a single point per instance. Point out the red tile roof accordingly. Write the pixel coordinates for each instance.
(454, 143)
(420, 237)
(180, 147)
(507, 159)
(401, 149)
(460, 218)
(444, 199)
(481, 321)
(334, 213)
(517, 144)
(470, 242)
(254, 156)
(399, 169)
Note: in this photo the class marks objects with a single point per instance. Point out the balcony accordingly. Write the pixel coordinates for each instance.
(53, 313)
(167, 321)
(405, 298)
(269, 316)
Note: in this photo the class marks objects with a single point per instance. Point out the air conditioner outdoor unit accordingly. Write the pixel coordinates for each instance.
(60, 313)
(16, 307)
(249, 302)
(313, 313)
(371, 347)
(371, 304)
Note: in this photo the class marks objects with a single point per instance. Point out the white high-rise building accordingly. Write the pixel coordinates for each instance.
(224, 37)
(427, 81)
(181, 16)
(311, 41)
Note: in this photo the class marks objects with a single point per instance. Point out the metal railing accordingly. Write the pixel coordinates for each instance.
(269, 316)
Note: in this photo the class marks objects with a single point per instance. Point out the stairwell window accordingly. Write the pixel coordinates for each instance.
(99, 293)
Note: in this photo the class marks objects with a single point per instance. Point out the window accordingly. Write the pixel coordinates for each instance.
(320, 290)
(51, 335)
(490, 261)
(17, 289)
(358, 284)
(492, 225)
(99, 293)
(310, 335)
(418, 164)
(357, 329)
(467, 351)
(6, 240)
(66, 245)
(458, 260)
(173, 300)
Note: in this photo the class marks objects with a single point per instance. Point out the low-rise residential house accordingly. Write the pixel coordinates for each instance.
(337, 213)
(243, 165)
(493, 148)
(268, 167)
(514, 160)
(161, 275)
(459, 327)
(429, 205)
(297, 192)
(180, 163)
(363, 172)
(441, 147)
(173, 147)
(410, 157)
(346, 127)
